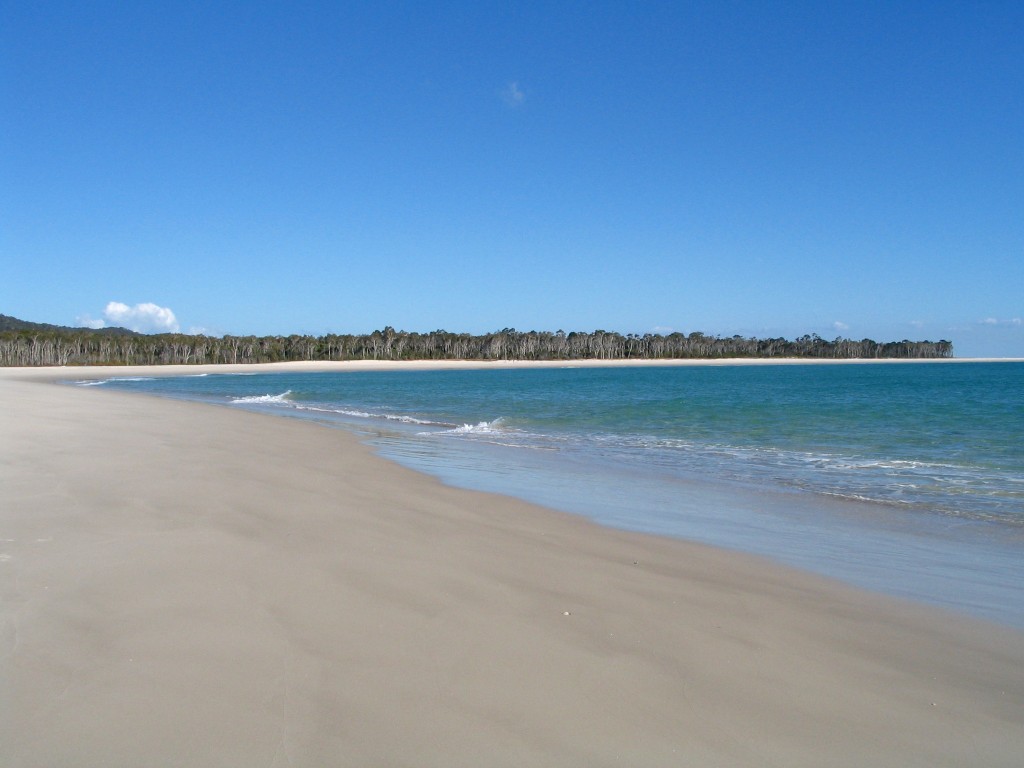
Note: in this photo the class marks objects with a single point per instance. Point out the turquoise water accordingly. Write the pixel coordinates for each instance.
(903, 478)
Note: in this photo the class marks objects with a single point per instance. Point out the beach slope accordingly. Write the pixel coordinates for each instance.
(183, 584)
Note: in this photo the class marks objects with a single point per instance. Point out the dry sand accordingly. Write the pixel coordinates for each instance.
(184, 584)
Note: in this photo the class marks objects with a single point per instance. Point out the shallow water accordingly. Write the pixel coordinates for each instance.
(907, 479)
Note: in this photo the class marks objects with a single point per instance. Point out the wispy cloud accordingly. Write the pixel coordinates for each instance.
(142, 318)
(513, 94)
(839, 325)
(997, 321)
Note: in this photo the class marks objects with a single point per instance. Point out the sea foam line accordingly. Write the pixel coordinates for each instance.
(481, 428)
(98, 382)
(265, 399)
(368, 415)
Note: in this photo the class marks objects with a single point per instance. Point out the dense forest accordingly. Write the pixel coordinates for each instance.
(31, 344)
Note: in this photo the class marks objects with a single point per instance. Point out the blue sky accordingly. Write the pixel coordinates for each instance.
(768, 169)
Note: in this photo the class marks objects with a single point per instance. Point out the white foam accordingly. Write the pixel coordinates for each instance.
(98, 382)
(483, 428)
(367, 415)
(407, 419)
(264, 399)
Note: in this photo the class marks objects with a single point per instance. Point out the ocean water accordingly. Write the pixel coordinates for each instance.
(906, 479)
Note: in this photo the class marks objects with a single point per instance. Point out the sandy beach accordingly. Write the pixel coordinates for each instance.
(189, 585)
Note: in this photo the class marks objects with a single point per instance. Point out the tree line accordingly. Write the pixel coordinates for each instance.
(65, 346)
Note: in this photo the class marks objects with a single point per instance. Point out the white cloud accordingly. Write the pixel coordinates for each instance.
(513, 94)
(840, 326)
(1015, 321)
(143, 318)
(88, 322)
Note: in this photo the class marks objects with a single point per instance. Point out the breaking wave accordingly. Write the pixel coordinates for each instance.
(482, 428)
(263, 399)
(98, 382)
(351, 413)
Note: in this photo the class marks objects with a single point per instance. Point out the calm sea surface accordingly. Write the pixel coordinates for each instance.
(908, 479)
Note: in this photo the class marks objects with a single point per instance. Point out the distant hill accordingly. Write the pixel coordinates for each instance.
(8, 323)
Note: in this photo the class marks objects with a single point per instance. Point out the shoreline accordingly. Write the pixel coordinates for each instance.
(342, 366)
(215, 586)
(963, 596)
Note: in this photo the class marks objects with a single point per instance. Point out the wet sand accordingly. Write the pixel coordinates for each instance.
(182, 584)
